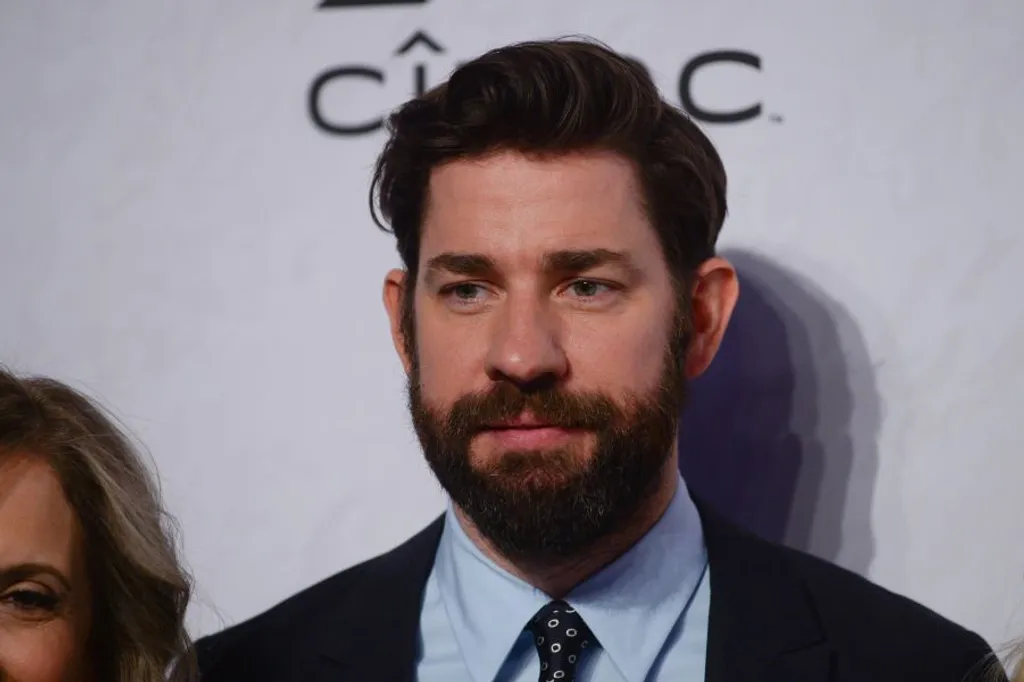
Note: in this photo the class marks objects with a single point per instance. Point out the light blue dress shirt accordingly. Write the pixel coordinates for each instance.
(648, 610)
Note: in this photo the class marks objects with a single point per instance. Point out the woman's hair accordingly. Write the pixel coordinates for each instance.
(1015, 663)
(140, 590)
(1007, 666)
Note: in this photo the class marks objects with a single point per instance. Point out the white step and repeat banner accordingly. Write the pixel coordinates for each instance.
(185, 235)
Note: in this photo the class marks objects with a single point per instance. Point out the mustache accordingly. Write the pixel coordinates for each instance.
(476, 412)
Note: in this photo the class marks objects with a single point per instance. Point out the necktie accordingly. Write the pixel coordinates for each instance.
(561, 636)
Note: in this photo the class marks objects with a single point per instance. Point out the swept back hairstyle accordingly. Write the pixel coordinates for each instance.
(552, 98)
(140, 589)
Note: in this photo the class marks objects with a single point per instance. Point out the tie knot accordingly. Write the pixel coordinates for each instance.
(561, 636)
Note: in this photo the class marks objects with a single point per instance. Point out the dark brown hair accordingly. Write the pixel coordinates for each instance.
(140, 590)
(549, 98)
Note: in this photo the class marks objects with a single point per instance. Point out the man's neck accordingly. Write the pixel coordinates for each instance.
(558, 579)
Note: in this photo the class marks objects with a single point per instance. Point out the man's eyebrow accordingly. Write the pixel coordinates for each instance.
(468, 264)
(587, 259)
(564, 261)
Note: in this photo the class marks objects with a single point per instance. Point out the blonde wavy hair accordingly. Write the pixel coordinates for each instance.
(1010, 669)
(141, 590)
(1015, 663)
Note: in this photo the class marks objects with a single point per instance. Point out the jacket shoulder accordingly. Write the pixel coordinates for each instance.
(261, 647)
(881, 630)
(256, 642)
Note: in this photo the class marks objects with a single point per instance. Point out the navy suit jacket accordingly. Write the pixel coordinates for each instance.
(777, 615)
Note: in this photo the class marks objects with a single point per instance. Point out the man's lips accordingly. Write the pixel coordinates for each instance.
(520, 423)
(528, 433)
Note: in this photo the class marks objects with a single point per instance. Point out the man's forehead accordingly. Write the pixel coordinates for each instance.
(519, 210)
(518, 188)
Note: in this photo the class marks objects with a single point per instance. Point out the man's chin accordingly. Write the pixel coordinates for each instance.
(536, 523)
(533, 469)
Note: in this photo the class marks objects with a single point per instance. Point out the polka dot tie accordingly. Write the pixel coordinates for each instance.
(561, 636)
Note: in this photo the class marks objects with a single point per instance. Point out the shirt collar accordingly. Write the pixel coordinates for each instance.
(487, 606)
(631, 605)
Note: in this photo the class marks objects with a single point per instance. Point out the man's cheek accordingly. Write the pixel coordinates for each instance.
(437, 385)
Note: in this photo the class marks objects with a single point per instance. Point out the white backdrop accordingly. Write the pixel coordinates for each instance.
(180, 239)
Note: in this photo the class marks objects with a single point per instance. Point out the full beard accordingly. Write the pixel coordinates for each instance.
(549, 506)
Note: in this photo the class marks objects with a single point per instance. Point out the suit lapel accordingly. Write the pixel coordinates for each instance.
(763, 625)
(374, 635)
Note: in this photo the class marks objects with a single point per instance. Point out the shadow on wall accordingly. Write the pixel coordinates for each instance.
(781, 433)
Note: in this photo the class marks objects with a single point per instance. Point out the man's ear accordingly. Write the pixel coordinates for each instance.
(395, 291)
(713, 298)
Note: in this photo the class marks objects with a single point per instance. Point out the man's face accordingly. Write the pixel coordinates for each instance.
(546, 371)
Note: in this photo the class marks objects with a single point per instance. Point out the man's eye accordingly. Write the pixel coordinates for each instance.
(586, 288)
(466, 291)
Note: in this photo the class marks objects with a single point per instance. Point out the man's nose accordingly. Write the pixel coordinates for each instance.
(526, 346)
